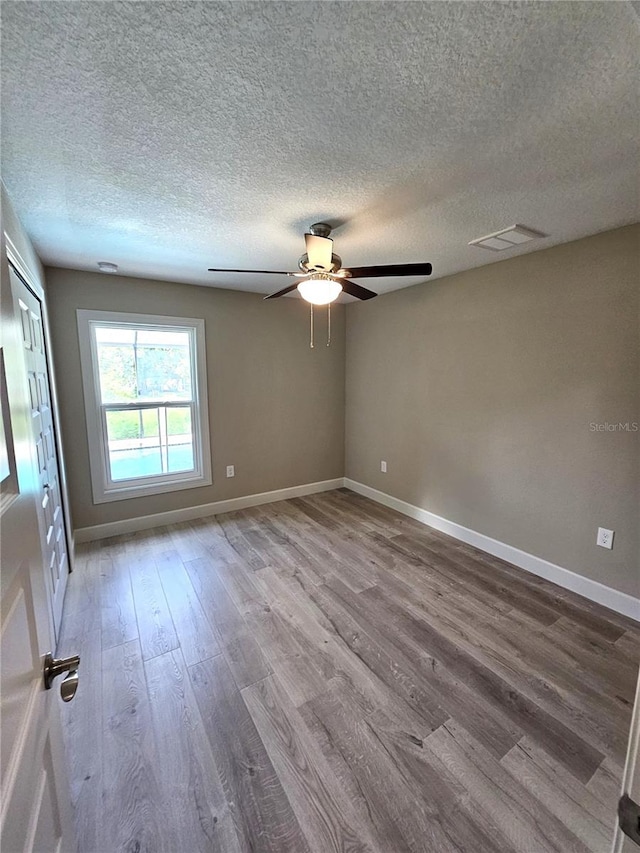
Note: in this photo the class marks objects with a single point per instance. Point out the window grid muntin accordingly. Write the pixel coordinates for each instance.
(133, 482)
(149, 479)
(156, 327)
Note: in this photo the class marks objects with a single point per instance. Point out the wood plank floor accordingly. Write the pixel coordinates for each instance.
(324, 674)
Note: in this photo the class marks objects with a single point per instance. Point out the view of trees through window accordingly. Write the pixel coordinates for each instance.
(146, 390)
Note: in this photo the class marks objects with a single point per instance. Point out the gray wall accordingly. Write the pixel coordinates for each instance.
(479, 390)
(276, 406)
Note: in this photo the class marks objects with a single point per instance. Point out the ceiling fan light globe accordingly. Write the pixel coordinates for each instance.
(320, 290)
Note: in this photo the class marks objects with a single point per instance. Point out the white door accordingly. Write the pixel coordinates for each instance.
(631, 781)
(35, 811)
(52, 527)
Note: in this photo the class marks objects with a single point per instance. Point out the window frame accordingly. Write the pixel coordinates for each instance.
(105, 489)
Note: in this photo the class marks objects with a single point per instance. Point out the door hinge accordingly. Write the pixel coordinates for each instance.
(629, 818)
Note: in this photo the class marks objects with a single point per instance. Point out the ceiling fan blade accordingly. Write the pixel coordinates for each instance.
(390, 269)
(319, 250)
(261, 272)
(354, 289)
(282, 292)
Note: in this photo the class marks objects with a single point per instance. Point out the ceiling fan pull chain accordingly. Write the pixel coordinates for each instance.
(311, 341)
(329, 325)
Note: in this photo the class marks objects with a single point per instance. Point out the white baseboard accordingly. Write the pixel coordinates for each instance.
(146, 522)
(621, 602)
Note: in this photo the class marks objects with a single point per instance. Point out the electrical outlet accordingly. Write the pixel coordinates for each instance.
(383, 466)
(605, 538)
(231, 471)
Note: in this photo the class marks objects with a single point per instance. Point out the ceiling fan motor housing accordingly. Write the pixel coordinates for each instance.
(336, 264)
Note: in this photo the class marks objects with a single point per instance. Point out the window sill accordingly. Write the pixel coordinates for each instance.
(126, 492)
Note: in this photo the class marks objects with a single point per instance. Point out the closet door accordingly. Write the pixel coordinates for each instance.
(53, 534)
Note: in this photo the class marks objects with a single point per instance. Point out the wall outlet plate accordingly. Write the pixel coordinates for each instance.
(605, 538)
(383, 466)
(231, 471)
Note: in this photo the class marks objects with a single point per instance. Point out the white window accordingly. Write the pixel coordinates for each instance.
(145, 391)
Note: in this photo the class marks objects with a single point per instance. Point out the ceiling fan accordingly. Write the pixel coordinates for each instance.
(322, 276)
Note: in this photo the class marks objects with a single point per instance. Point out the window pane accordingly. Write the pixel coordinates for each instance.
(114, 335)
(180, 458)
(164, 367)
(179, 421)
(135, 462)
(150, 423)
(149, 442)
(116, 364)
(143, 364)
(179, 439)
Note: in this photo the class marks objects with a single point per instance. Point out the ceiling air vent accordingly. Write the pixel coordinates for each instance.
(507, 239)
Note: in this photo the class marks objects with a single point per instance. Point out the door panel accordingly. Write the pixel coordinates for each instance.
(36, 809)
(35, 812)
(45, 827)
(19, 661)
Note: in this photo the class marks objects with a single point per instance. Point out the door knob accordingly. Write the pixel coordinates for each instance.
(54, 667)
(69, 686)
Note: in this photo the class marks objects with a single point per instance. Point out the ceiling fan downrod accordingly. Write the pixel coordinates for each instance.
(320, 229)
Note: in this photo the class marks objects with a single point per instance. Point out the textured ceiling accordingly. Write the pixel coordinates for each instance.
(169, 137)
